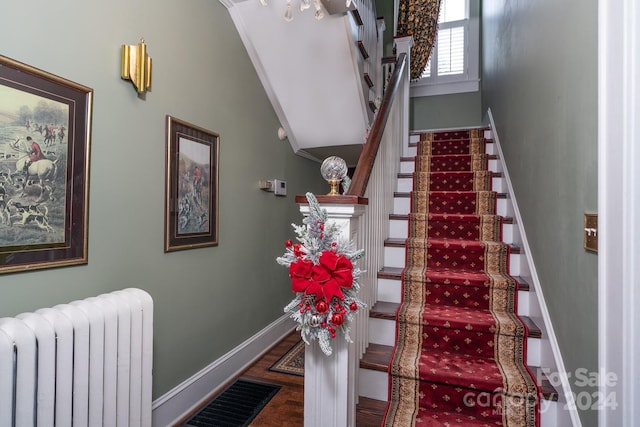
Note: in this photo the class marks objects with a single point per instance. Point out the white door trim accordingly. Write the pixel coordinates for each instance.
(619, 210)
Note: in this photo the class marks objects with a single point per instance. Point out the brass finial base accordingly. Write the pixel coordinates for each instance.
(334, 183)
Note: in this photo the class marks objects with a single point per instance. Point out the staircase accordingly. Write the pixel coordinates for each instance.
(374, 376)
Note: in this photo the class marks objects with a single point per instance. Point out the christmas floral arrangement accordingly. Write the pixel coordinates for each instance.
(323, 277)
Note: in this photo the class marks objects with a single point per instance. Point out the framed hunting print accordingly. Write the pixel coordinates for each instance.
(45, 129)
(191, 198)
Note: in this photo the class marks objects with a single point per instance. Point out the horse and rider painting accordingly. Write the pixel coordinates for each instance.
(32, 170)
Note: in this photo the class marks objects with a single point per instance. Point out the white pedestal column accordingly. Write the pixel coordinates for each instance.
(330, 382)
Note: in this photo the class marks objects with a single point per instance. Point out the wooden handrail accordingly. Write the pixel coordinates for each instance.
(368, 155)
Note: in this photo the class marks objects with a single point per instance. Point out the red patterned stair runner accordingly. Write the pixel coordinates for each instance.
(460, 355)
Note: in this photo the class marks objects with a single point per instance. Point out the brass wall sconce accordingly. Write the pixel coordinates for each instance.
(136, 66)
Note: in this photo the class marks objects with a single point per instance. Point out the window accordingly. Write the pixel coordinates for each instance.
(453, 65)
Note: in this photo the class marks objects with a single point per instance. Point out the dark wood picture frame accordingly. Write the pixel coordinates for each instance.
(191, 198)
(45, 132)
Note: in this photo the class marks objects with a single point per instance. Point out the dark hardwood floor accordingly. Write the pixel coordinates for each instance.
(286, 408)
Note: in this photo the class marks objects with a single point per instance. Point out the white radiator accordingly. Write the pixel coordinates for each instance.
(86, 363)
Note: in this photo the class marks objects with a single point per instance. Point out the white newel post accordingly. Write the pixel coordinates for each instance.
(403, 45)
(330, 382)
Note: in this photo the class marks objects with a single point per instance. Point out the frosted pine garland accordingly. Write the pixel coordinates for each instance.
(324, 278)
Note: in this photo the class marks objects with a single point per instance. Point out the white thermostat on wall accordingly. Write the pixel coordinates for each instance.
(279, 187)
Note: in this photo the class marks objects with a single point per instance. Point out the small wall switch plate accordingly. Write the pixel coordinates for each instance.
(279, 187)
(591, 232)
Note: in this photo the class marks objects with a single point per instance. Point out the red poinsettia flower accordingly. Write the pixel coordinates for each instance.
(333, 272)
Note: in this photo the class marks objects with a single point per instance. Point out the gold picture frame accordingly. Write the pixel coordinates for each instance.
(45, 132)
(191, 197)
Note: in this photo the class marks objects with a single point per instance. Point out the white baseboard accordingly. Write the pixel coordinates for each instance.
(558, 371)
(174, 405)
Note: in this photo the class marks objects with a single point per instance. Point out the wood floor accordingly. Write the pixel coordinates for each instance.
(286, 408)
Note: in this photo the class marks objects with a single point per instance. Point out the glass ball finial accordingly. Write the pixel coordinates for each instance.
(333, 170)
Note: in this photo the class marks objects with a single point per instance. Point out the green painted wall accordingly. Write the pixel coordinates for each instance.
(207, 300)
(385, 9)
(540, 82)
(445, 111)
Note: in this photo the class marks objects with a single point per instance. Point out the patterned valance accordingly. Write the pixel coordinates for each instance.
(419, 18)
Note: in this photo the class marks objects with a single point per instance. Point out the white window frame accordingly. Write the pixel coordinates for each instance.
(469, 81)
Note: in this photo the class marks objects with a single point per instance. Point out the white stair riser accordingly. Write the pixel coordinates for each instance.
(405, 185)
(396, 257)
(399, 229)
(402, 206)
(550, 414)
(407, 167)
(374, 385)
(390, 290)
(383, 331)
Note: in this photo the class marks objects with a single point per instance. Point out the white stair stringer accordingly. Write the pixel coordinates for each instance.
(374, 384)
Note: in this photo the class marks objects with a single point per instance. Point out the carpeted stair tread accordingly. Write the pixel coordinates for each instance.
(455, 226)
(453, 192)
(434, 242)
(431, 418)
(400, 243)
(452, 162)
(395, 273)
(471, 280)
(409, 175)
(456, 317)
(454, 134)
(378, 356)
(447, 217)
(467, 255)
(413, 158)
(457, 145)
(453, 181)
(447, 328)
(387, 310)
(407, 194)
(454, 202)
(456, 369)
(405, 217)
